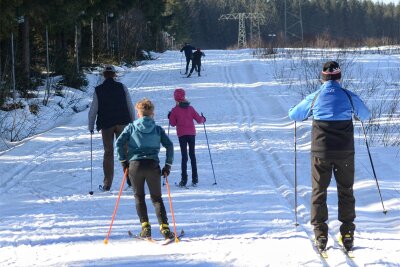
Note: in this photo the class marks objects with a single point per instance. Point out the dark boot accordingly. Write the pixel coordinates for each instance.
(166, 232)
(146, 230)
(347, 241)
(321, 242)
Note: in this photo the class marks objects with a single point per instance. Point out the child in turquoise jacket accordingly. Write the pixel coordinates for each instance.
(143, 138)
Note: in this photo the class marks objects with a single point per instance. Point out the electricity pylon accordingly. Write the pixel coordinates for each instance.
(255, 26)
(296, 20)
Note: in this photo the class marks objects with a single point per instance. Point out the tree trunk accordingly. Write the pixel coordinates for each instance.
(25, 53)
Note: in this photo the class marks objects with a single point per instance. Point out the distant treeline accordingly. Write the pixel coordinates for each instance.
(341, 22)
(61, 37)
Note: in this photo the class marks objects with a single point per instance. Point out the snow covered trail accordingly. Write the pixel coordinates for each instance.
(247, 219)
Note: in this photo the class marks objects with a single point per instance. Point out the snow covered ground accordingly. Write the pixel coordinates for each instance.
(47, 217)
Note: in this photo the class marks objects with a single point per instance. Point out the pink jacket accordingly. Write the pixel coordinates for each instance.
(182, 117)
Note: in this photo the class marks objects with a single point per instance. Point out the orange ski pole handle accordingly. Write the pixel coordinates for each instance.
(116, 206)
(170, 207)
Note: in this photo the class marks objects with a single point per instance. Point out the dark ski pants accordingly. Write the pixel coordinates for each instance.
(108, 136)
(188, 59)
(184, 142)
(196, 66)
(148, 170)
(321, 171)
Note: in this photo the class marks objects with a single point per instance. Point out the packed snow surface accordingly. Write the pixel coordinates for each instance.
(47, 217)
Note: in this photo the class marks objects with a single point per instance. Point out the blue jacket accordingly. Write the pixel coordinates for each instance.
(144, 137)
(331, 104)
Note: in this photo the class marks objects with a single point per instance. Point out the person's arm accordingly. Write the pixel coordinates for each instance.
(122, 139)
(167, 143)
(172, 118)
(361, 111)
(94, 108)
(129, 103)
(199, 119)
(303, 110)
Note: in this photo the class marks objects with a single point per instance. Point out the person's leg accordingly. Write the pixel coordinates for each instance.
(187, 64)
(199, 68)
(191, 70)
(118, 131)
(344, 175)
(321, 171)
(137, 177)
(153, 180)
(183, 144)
(192, 155)
(108, 158)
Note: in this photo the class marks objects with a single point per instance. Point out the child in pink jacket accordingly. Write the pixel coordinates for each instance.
(182, 116)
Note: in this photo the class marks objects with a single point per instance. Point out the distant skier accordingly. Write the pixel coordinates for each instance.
(112, 109)
(143, 138)
(196, 62)
(332, 150)
(188, 54)
(182, 116)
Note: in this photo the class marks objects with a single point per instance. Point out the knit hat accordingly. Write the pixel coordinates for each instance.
(331, 71)
(179, 95)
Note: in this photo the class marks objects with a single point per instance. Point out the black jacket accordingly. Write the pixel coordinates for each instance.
(197, 57)
(188, 50)
(332, 139)
(113, 108)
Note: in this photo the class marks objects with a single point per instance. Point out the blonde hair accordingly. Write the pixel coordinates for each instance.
(144, 107)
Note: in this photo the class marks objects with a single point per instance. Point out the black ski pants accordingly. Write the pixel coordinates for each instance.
(321, 171)
(196, 66)
(148, 170)
(184, 142)
(188, 59)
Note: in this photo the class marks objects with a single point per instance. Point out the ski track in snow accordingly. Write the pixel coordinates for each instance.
(247, 219)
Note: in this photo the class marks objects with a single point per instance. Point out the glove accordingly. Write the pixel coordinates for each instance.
(125, 164)
(166, 170)
(169, 114)
(91, 132)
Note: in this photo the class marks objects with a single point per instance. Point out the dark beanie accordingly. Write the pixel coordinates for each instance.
(331, 71)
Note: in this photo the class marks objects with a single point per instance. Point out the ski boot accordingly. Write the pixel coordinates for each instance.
(146, 230)
(166, 232)
(321, 242)
(347, 241)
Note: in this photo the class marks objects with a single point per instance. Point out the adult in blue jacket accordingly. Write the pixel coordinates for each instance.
(188, 49)
(332, 150)
(144, 137)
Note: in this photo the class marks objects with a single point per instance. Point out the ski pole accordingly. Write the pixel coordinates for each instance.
(116, 206)
(209, 152)
(91, 164)
(372, 165)
(295, 173)
(169, 124)
(170, 207)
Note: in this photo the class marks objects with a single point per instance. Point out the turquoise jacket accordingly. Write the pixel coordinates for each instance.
(144, 137)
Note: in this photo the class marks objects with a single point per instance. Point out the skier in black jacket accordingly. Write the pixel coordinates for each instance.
(112, 110)
(196, 62)
(188, 54)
